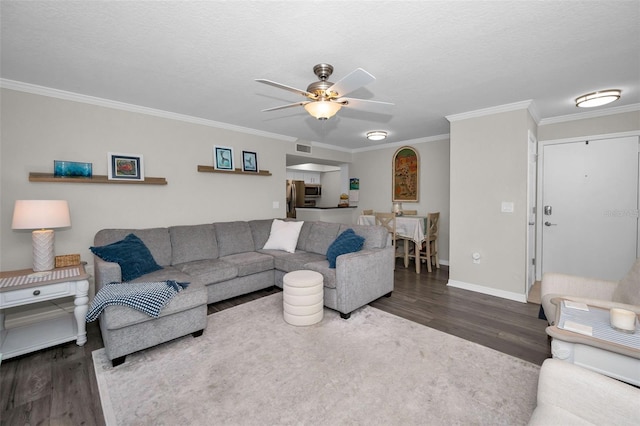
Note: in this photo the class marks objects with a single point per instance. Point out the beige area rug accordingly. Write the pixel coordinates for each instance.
(252, 368)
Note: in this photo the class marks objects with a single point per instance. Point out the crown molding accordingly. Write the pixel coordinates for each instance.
(92, 100)
(403, 143)
(327, 146)
(590, 114)
(528, 105)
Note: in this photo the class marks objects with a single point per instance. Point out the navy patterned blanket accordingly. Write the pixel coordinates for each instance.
(148, 297)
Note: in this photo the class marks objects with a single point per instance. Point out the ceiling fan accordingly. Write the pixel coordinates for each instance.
(326, 98)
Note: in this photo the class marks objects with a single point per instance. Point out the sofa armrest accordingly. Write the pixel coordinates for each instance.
(363, 277)
(564, 285)
(588, 396)
(105, 272)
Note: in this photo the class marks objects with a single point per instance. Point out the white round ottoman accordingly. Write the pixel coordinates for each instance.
(303, 295)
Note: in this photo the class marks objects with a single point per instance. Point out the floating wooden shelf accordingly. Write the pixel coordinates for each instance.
(49, 177)
(211, 169)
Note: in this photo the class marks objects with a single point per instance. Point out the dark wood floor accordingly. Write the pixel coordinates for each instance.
(57, 386)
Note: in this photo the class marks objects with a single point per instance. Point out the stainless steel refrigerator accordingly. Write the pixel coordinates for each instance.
(295, 196)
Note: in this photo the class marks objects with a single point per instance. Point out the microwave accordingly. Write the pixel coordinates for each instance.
(312, 190)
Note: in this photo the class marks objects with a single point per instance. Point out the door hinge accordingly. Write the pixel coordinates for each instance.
(533, 261)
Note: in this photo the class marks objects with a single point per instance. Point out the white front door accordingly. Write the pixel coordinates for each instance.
(531, 210)
(589, 209)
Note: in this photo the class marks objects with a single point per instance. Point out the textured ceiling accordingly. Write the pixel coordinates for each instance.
(430, 58)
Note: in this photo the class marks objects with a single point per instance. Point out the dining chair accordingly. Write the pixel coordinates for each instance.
(367, 212)
(429, 250)
(410, 212)
(388, 220)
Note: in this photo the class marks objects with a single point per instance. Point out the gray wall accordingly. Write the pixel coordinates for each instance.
(488, 167)
(38, 129)
(373, 168)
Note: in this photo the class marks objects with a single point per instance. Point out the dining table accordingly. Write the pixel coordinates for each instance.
(410, 227)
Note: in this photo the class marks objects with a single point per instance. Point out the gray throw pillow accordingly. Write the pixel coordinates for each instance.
(628, 290)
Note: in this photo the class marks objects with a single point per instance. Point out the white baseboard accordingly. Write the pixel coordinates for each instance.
(488, 290)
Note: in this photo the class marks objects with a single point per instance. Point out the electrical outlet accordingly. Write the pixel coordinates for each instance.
(276, 204)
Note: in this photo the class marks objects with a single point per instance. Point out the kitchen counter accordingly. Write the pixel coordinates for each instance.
(327, 214)
(326, 208)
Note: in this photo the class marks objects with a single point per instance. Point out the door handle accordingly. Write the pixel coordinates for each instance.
(547, 223)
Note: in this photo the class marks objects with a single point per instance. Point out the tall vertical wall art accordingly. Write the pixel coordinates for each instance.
(406, 175)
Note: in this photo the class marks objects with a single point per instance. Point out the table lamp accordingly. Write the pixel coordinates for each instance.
(41, 216)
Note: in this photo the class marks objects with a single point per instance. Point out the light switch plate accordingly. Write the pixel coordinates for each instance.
(507, 207)
(276, 204)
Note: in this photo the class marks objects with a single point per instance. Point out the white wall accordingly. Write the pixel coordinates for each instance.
(331, 189)
(373, 168)
(488, 167)
(36, 130)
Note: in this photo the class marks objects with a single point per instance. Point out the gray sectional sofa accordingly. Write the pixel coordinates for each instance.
(226, 259)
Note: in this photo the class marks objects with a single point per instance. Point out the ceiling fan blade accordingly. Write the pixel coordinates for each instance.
(286, 106)
(355, 80)
(366, 105)
(285, 87)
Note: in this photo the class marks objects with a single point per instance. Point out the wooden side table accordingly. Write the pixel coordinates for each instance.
(23, 287)
(614, 357)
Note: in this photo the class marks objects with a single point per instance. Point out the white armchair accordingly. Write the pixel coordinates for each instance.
(607, 294)
(568, 394)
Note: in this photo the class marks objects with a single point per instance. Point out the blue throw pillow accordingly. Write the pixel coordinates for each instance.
(347, 242)
(131, 254)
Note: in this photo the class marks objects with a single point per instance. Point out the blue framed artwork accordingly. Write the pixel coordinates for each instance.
(72, 169)
(222, 158)
(249, 161)
(125, 166)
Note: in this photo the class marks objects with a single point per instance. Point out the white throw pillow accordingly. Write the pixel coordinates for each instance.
(283, 236)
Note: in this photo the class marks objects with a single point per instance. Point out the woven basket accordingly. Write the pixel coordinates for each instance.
(67, 260)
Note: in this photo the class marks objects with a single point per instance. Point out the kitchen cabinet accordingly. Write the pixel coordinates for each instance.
(312, 177)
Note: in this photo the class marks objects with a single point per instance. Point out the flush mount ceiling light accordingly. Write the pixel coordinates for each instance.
(595, 99)
(376, 135)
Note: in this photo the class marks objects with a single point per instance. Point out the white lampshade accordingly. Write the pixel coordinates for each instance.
(40, 215)
(322, 110)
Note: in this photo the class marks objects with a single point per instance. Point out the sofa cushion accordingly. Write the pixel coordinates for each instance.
(321, 236)
(260, 230)
(209, 271)
(115, 317)
(304, 236)
(157, 241)
(233, 237)
(347, 242)
(166, 273)
(131, 254)
(328, 274)
(628, 289)
(375, 236)
(250, 263)
(283, 236)
(193, 242)
(288, 262)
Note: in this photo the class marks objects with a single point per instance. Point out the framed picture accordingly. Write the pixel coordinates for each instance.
(125, 166)
(405, 175)
(249, 161)
(72, 169)
(222, 158)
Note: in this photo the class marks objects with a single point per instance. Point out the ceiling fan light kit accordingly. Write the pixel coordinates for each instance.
(599, 98)
(322, 110)
(376, 135)
(325, 99)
